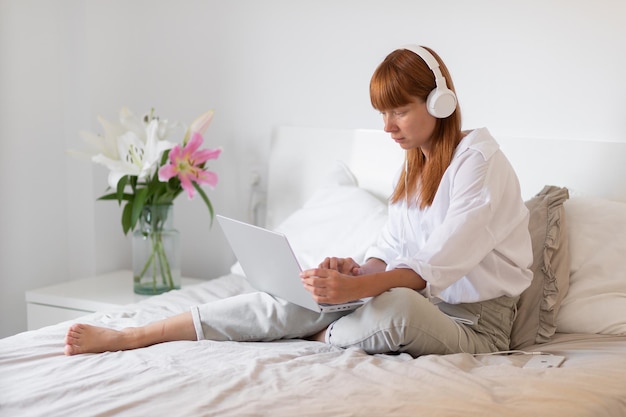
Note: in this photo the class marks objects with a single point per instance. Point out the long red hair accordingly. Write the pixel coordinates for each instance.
(399, 80)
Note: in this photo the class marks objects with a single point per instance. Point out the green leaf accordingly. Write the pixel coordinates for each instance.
(173, 186)
(126, 217)
(206, 200)
(114, 196)
(133, 182)
(158, 191)
(165, 157)
(138, 203)
(121, 185)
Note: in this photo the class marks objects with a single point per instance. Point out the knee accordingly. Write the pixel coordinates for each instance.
(402, 306)
(391, 320)
(401, 297)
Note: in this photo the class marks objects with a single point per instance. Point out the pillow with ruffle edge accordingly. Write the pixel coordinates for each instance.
(539, 304)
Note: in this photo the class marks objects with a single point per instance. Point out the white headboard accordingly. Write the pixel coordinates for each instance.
(301, 157)
(591, 168)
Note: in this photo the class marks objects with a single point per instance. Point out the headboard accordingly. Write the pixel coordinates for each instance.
(301, 157)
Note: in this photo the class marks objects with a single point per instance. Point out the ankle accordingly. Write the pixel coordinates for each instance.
(319, 336)
(133, 337)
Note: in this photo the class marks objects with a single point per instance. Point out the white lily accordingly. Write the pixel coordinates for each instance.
(138, 125)
(133, 123)
(166, 128)
(105, 143)
(136, 157)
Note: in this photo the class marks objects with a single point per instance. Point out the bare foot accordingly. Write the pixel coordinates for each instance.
(84, 338)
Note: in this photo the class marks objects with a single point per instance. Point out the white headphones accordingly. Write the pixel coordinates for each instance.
(441, 102)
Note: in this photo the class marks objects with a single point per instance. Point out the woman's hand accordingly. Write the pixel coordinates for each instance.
(330, 286)
(343, 265)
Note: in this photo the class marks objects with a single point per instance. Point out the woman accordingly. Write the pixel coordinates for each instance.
(456, 241)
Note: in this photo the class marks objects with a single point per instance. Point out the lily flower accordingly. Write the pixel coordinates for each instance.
(139, 174)
(138, 125)
(132, 123)
(187, 164)
(105, 143)
(136, 157)
(199, 125)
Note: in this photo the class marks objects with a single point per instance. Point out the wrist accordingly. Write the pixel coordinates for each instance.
(372, 266)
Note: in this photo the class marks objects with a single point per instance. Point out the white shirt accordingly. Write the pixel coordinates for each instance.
(472, 244)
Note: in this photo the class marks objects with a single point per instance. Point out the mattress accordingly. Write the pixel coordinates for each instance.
(296, 377)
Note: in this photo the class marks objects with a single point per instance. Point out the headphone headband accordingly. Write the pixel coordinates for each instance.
(441, 101)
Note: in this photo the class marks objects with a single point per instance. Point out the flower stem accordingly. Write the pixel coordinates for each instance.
(155, 240)
(165, 265)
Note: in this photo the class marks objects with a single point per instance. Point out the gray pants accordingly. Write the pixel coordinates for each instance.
(399, 320)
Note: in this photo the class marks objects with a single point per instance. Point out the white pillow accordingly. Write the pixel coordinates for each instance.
(340, 219)
(340, 174)
(596, 301)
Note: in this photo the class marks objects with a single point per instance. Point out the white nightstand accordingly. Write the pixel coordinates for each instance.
(72, 299)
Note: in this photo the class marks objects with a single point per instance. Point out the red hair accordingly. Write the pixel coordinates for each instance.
(399, 80)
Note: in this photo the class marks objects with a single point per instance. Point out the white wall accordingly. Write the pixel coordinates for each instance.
(542, 68)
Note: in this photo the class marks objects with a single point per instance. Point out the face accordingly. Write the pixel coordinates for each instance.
(411, 126)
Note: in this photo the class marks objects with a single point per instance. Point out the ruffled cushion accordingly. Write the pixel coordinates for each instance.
(539, 304)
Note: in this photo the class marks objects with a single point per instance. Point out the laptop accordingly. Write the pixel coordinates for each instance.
(271, 266)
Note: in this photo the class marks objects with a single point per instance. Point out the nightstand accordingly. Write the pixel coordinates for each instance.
(72, 299)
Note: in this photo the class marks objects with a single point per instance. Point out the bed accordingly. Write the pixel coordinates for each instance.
(576, 308)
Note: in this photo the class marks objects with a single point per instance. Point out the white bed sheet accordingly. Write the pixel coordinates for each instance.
(296, 377)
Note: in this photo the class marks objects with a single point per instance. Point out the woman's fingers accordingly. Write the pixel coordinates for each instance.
(328, 285)
(343, 265)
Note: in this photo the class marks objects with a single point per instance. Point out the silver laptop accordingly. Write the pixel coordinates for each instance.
(271, 266)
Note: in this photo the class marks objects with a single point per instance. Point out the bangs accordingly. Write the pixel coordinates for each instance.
(389, 88)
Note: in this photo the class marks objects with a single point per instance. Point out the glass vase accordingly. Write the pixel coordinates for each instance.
(156, 251)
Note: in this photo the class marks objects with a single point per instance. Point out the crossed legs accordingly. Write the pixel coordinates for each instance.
(395, 321)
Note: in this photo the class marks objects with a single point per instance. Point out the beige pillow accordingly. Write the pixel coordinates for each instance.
(596, 299)
(539, 304)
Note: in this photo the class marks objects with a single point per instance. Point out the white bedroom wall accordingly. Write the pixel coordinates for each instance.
(33, 219)
(526, 68)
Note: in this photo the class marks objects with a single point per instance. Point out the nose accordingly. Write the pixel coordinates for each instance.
(389, 123)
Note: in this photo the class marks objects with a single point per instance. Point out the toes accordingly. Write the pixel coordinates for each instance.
(72, 338)
(77, 328)
(70, 350)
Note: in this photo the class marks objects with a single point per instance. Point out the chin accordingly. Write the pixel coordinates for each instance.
(405, 145)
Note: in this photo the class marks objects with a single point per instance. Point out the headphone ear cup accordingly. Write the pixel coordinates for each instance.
(441, 102)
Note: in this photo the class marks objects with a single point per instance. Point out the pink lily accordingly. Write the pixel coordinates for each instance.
(187, 165)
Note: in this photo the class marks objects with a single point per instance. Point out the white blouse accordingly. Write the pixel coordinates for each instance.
(472, 244)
